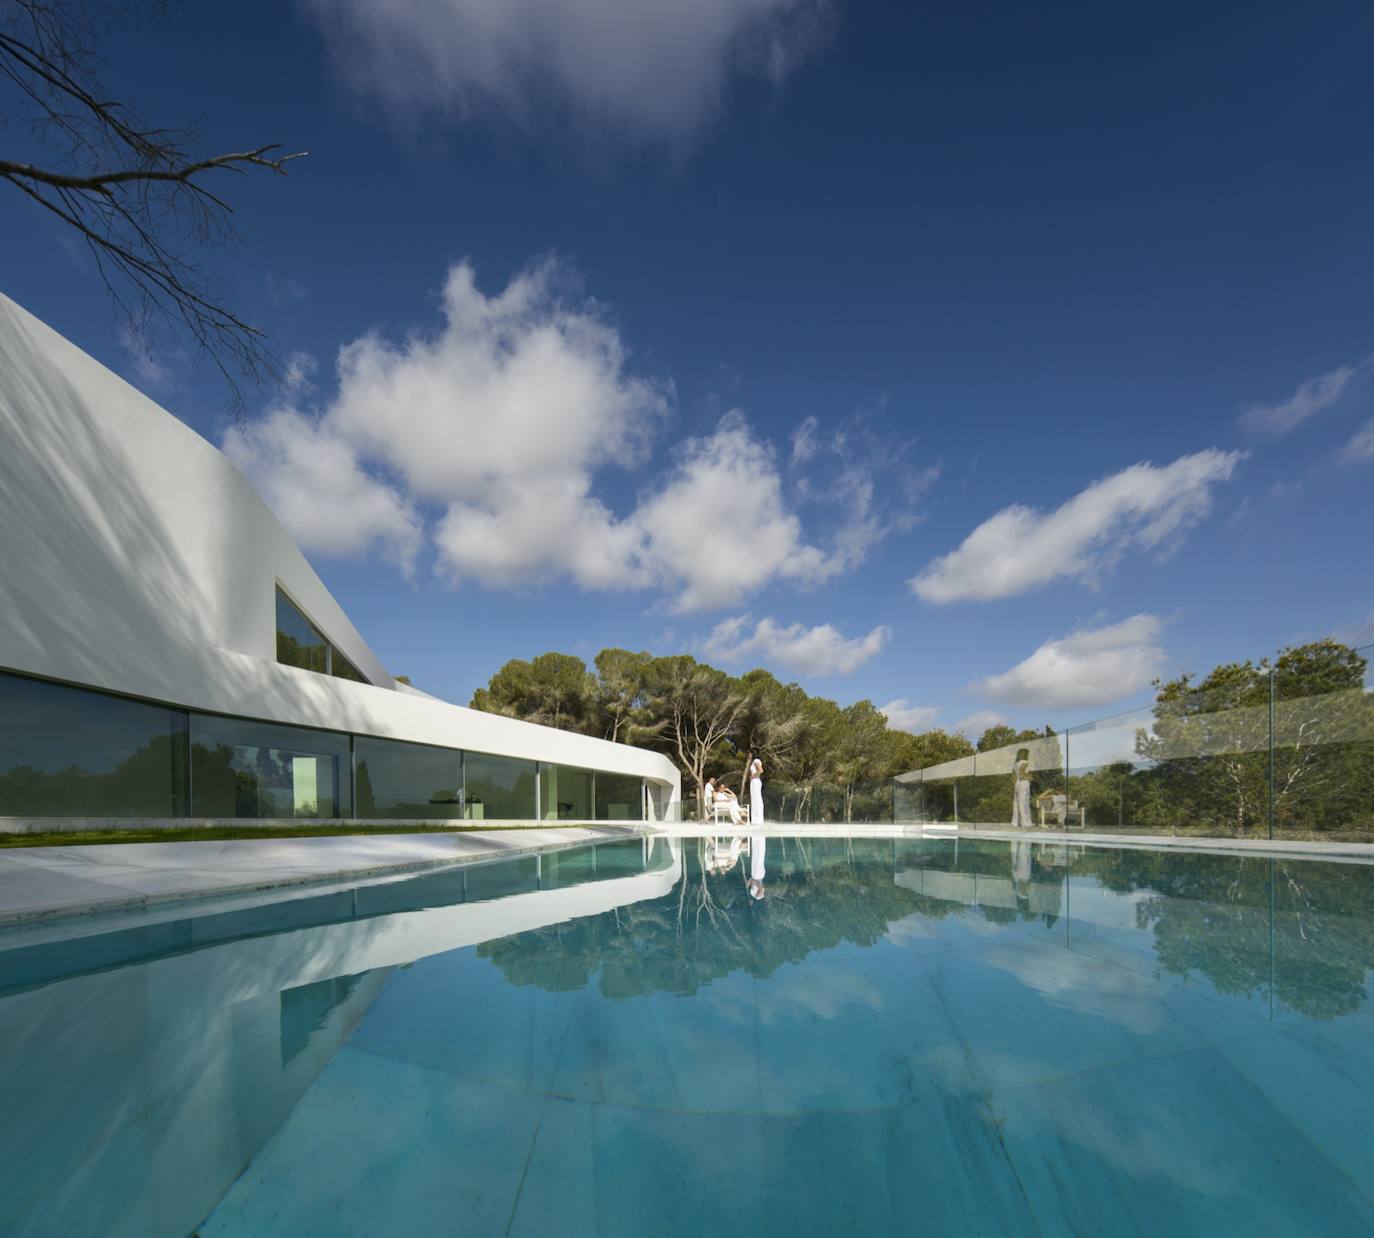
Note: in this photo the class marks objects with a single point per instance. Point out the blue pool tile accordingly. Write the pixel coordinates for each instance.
(909, 1170)
(475, 1024)
(1183, 1145)
(852, 1036)
(616, 1052)
(1317, 1090)
(381, 1147)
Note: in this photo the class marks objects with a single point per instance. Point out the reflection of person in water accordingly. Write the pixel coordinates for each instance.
(757, 846)
(1020, 800)
(1021, 871)
(721, 854)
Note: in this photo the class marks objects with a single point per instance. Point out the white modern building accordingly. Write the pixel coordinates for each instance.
(167, 652)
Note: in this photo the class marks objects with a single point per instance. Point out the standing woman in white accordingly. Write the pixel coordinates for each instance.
(1020, 802)
(756, 792)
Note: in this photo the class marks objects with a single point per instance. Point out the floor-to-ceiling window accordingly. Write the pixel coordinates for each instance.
(70, 752)
(498, 788)
(395, 779)
(259, 769)
(565, 793)
(619, 797)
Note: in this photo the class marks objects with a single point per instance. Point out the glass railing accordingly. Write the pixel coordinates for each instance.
(1280, 753)
(868, 801)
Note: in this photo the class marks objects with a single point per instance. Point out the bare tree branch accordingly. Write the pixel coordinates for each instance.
(137, 195)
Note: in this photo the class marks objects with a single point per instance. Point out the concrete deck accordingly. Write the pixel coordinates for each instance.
(45, 883)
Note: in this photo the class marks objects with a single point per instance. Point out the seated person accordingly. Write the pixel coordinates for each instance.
(726, 796)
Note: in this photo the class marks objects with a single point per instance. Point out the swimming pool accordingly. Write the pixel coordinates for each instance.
(901, 1036)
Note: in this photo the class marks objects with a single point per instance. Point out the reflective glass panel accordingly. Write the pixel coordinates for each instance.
(341, 668)
(69, 752)
(619, 797)
(1111, 772)
(299, 642)
(565, 793)
(259, 769)
(996, 794)
(1323, 774)
(498, 788)
(395, 779)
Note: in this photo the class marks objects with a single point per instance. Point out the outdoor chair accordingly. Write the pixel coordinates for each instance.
(720, 807)
(1063, 809)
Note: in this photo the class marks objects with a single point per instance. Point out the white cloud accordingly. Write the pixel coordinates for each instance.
(870, 479)
(1087, 667)
(320, 491)
(1022, 548)
(503, 419)
(719, 527)
(1360, 447)
(504, 415)
(804, 444)
(1313, 396)
(821, 650)
(902, 715)
(979, 721)
(644, 71)
(518, 384)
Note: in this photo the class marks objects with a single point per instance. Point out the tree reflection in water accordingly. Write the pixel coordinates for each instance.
(1298, 931)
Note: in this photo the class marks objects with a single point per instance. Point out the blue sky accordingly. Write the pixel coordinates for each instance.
(715, 329)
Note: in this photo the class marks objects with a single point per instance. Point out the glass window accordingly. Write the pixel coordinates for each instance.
(498, 788)
(619, 797)
(565, 793)
(70, 752)
(259, 769)
(299, 642)
(342, 668)
(396, 779)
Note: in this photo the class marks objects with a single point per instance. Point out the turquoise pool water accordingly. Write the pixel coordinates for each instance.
(902, 1036)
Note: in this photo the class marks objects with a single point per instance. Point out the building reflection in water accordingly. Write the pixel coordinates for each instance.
(152, 1058)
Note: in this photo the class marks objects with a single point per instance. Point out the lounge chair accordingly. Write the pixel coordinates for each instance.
(1063, 809)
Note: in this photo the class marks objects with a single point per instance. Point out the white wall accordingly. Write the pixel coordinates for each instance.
(135, 557)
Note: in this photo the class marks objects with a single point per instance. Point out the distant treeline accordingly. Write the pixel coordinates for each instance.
(830, 759)
(1204, 763)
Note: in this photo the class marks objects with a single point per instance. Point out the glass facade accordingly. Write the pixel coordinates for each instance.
(73, 752)
(498, 788)
(70, 752)
(260, 769)
(395, 779)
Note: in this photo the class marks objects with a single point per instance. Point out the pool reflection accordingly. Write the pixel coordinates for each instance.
(425, 1038)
